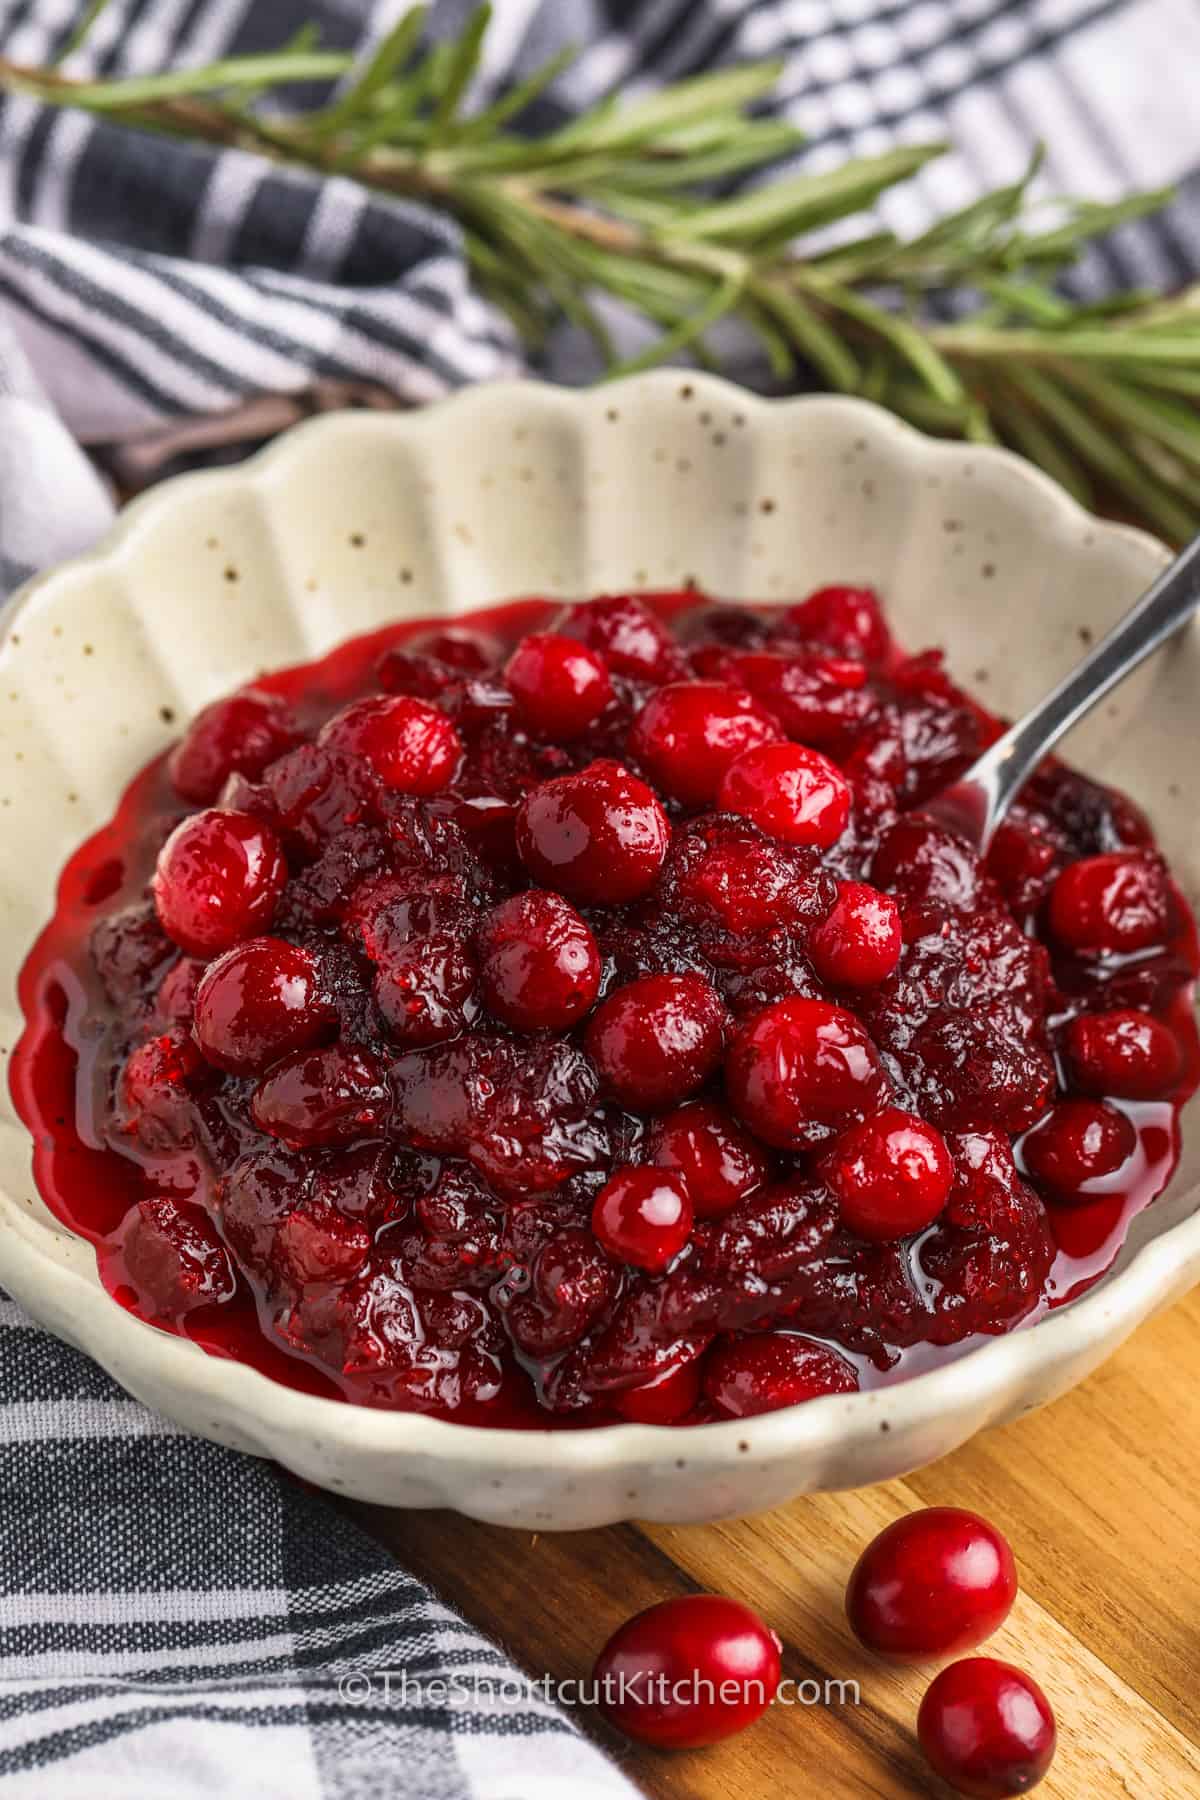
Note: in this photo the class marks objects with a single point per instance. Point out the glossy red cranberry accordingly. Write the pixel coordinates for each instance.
(626, 634)
(934, 1583)
(321, 1097)
(410, 745)
(560, 686)
(859, 941)
(219, 878)
(599, 836)
(643, 1216)
(689, 732)
(174, 1259)
(424, 987)
(792, 793)
(657, 1040)
(987, 1729)
(769, 1369)
(890, 1175)
(241, 735)
(1129, 1054)
(538, 962)
(1120, 901)
(688, 1672)
(818, 698)
(1077, 1142)
(716, 1160)
(663, 1401)
(800, 1064)
(848, 619)
(258, 1002)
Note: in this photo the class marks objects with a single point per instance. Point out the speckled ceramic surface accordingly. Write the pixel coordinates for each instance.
(361, 518)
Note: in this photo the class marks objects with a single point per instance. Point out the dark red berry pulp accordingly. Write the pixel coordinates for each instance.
(571, 1017)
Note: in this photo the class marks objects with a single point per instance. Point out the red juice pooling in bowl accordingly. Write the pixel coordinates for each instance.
(568, 1016)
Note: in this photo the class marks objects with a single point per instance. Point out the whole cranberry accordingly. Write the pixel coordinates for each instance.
(410, 745)
(599, 836)
(934, 1583)
(241, 735)
(890, 1175)
(716, 1160)
(687, 1672)
(792, 793)
(325, 1096)
(1126, 1053)
(657, 1040)
(627, 635)
(800, 1064)
(643, 1216)
(218, 879)
(560, 686)
(689, 732)
(847, 619)
(258, 1002)
(987, 1729)
(1120, 901)
(538, 962)
(859, 941)
(663, 1401)
(1076, 1142)
(771, 1369)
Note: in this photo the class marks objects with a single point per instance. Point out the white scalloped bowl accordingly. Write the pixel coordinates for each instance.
(358, 519)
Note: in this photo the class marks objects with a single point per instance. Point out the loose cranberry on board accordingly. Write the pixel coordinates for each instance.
(934, 1583)
(987, 1729)
(688, 1672)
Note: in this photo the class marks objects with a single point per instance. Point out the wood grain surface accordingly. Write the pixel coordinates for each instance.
(1100, 1497)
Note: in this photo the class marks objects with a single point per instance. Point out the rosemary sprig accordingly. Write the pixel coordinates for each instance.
(644, 202)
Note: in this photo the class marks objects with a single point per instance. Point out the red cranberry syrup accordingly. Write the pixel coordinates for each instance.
(571, 1017)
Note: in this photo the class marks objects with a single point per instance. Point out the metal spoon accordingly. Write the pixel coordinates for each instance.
(977, 802)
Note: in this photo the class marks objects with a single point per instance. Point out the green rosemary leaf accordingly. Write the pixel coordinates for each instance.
(1087, 220)
(723, 298)
(782, 210)
(817, 342)
(90, 14)
(634, 122)
(460, 69)
(1175, 426)
(777, 346)
(1027, 434)
(389, 58)
(914, 346)
(1103, 453)
(758, 144)
(236, 72)
(487, 123)
(1025, 300)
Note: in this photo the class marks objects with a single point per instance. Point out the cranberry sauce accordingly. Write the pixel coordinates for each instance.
(570, 1016)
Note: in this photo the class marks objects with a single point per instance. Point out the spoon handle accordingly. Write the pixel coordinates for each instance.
(1163, 608)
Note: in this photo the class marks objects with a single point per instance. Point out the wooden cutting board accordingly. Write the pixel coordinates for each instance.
(1100, 1497)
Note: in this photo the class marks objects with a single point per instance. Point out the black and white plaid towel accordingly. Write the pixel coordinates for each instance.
(175, 1619)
